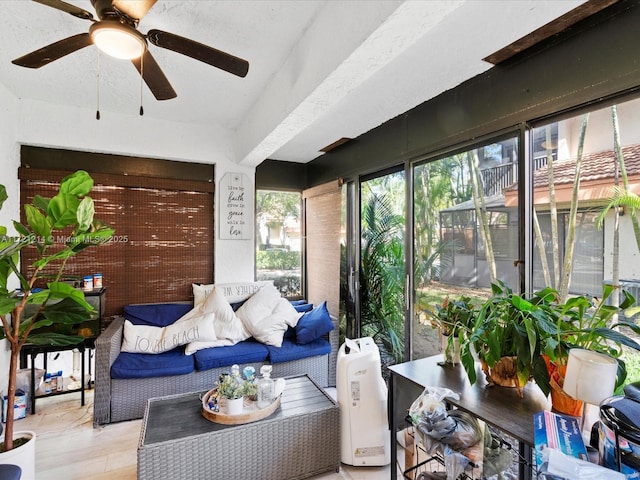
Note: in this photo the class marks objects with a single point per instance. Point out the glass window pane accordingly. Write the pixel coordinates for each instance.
(465, 232)
(278, 240)
(576, 172)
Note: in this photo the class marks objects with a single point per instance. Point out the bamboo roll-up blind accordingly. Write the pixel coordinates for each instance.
(322, 213)
(163, 239)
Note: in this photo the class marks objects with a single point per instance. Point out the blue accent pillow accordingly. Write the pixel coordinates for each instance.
(156, 314)
(303, 307)
(297, 302)
(313, 324)
(236, 305)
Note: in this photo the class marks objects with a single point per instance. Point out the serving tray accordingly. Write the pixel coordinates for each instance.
(250, 413)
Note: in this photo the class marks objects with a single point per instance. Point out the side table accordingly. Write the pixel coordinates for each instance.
(32, 351)
(89, 329)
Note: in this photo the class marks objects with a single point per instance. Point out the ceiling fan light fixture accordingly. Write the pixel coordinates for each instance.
(118, 40)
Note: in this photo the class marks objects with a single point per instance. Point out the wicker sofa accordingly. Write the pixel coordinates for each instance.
(120, 399)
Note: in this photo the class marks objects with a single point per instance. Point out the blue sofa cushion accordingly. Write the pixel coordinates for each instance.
(157, 314)
(243, 352)
(144, 365)
(291, 350)
(314, 324)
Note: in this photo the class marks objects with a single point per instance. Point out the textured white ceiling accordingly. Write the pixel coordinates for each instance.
(319, 69)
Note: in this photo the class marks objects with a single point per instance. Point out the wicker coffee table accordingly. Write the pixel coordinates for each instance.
(301, 439)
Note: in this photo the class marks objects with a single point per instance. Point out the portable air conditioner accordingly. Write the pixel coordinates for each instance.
(362, 397)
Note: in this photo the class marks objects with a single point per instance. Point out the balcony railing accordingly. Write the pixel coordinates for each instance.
(496, 179)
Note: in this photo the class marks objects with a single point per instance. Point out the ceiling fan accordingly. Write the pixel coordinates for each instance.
(116, 34)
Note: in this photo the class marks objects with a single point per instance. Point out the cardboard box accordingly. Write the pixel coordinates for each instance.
(557, 432)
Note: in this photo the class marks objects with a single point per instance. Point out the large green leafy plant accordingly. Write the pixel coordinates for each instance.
(592, 324)
(514, 327)
(58, 229)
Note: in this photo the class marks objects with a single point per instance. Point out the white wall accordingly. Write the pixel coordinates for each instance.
(8, 170)
(50, 125)
(599, 134)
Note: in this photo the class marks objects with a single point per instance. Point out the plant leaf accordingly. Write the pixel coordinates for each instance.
(77, 184)
(40, 202)
(3, 195)
(38, 223)
(84, 214)
(62, 210)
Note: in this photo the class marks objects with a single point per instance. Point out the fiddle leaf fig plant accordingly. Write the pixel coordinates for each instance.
(58, 229)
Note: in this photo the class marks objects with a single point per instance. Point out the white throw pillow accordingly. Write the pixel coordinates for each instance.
(227, 325)
(149, 339)
(266, 315)
(200, 293)
(233, 292)
(193, 347)
(239, 291)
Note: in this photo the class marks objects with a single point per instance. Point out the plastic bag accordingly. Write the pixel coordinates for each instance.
(496, 458)
(449, 432)
(430, 410)
(454, 428)
(455, 463)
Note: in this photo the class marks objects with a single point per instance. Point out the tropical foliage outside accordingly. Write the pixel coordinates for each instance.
(460, 216)
(278, 254)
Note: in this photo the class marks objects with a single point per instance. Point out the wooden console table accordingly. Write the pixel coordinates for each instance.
(499, 407)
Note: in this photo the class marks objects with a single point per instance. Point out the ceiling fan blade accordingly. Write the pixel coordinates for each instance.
(154, 77)
(134, 8)
(198, 51)
(45, 55)
(67, 7)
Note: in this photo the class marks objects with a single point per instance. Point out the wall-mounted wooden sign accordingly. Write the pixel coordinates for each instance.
(236, 199)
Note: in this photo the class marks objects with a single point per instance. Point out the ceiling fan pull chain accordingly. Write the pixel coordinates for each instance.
(141, 80)
(98, 88)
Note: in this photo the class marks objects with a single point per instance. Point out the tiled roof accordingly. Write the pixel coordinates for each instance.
(595, 166)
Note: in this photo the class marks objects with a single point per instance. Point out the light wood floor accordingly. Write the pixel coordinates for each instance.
(69, 448)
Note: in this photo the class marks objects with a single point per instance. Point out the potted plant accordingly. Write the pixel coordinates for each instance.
(451, 318)
(508, 335)
(587, 323)
(57, 228)
(233, 388)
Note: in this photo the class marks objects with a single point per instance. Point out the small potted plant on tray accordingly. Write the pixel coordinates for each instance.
(233, 388)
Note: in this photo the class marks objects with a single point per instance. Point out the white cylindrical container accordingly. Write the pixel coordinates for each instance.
(88, 283)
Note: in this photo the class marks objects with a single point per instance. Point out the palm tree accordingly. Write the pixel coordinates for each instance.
(382, 274)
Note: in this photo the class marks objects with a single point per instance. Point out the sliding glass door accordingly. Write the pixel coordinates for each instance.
(465, 232)
(382, 276)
